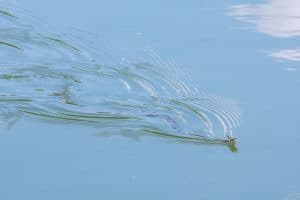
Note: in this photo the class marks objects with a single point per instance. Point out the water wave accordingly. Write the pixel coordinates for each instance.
(56, 78)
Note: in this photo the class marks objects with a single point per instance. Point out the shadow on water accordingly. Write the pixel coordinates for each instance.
(54, 78)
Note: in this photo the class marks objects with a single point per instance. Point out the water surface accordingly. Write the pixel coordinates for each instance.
(169, 76)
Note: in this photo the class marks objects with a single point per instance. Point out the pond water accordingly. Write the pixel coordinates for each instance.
(149, 100)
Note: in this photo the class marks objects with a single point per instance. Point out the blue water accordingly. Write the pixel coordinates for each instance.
(139, 100)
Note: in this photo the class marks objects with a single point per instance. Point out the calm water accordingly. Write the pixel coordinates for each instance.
(141, 100)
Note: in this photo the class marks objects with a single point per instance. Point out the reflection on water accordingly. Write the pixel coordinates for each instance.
(288, 54)
(292, 196)
(57, 78)
(277, 18)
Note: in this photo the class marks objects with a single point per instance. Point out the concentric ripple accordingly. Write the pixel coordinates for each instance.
(54, 78)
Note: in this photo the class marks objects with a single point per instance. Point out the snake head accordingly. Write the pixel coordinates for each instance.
(231, 141)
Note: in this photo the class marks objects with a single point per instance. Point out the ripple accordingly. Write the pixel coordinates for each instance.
(51, 77)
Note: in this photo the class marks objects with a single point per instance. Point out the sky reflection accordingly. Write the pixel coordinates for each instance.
(288, 54)
(277, 18)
